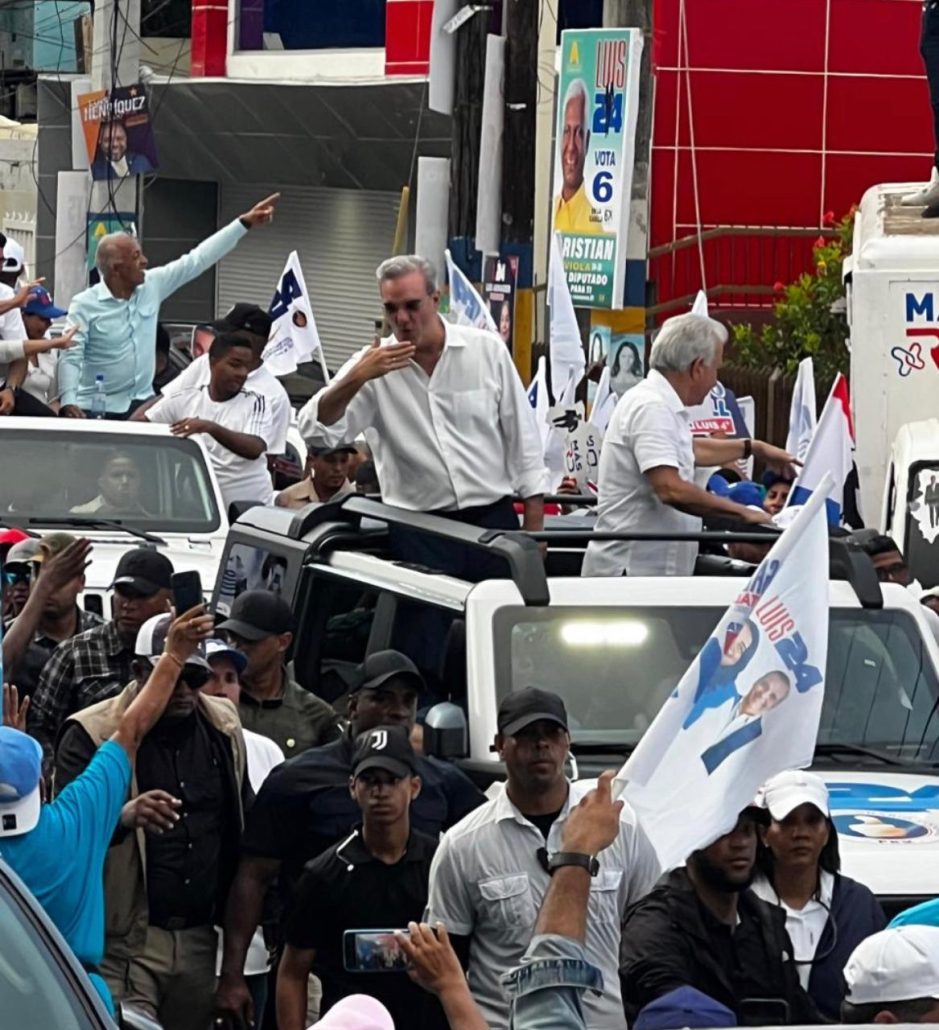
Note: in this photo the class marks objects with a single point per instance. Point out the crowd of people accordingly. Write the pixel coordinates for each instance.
(221, 848)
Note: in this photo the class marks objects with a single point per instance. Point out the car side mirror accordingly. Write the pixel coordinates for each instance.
(445, 732)
(238, 508)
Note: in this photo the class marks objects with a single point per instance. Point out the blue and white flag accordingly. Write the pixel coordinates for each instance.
(538, 398)
(830, 453)
(802, 411)
(466, 305)
(604, 403)
(294, 337)
(565, 346)
(749, 705)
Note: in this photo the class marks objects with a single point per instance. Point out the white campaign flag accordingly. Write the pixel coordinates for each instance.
(566, 349)
(538, 398)
(294, 338)
(802, 411)
(749, 705)
(603, 403)
(466, 305)
(700, 306)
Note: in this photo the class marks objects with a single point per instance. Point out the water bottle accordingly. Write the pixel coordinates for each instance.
(99, 400)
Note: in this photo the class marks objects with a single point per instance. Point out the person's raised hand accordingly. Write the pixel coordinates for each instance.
(22, 294)
(776, 458)
(594, 823)
(262, 213)
(59, 569)
(187, 632)
(66, 340)
(433, 962)
(14, 712)
(71, 411)
(154, 811)
(379, 360)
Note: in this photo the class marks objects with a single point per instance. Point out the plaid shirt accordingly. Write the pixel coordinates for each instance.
(90, 667)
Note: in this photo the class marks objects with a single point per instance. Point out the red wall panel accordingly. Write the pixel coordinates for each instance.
(797, 108)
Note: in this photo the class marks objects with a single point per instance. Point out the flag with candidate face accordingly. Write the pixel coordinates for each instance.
(749, 705)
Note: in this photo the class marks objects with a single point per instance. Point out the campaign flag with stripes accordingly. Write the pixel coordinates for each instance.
(749, 705)
(830, 451)
(802, 418)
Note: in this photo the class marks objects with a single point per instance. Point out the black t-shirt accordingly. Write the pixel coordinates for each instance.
(543, 822)
(305, 806)
(346, 888)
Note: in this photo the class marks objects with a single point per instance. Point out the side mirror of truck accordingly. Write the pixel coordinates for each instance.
(445, 732)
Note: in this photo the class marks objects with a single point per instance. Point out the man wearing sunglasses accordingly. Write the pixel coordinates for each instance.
(18, 577)
(173, 857)
(97, 664)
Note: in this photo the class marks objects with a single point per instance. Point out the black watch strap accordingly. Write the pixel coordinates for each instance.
(562, 858)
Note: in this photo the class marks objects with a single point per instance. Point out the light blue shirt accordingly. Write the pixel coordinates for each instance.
(62, 860)
(117, 338)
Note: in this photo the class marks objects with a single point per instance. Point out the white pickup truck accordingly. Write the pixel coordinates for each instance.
(121, 485)
(613, 649)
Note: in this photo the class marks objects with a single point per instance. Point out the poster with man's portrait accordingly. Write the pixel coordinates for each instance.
(118, 132)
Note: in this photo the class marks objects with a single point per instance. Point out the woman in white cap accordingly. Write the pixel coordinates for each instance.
(827, 914)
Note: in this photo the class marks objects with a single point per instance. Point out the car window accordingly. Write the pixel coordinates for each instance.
(922, 523)
(156, 483)
(615, 667)
(35, 993)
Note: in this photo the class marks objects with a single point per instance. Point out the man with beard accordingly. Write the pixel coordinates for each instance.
(701, 927)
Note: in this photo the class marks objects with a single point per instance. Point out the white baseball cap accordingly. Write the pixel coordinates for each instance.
(785, 792)
(897, 964)
(14, 259)
(357, 1012)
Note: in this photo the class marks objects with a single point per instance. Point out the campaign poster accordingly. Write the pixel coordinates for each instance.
(598, 102)
(500, 278)
(118, 132)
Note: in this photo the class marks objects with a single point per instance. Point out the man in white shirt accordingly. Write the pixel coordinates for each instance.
(236, 422)
(253, 323)
(492, 870)
(444, 412)
(646, 473)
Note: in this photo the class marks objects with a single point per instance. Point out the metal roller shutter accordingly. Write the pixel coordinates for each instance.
(340, 235)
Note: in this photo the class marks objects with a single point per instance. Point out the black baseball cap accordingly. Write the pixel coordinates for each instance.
(257, 614)
(384, 747)
(324, 452)
(523, 707)
(244, 317)
(145, 570)
(382, 666)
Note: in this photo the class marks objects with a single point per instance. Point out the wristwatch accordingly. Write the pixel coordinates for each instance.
(747, 449)
(563, 858)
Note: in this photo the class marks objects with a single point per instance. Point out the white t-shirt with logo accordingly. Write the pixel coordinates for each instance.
(240, 479)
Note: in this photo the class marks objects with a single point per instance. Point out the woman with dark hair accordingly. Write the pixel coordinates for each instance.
(827, 914)
(626, 368)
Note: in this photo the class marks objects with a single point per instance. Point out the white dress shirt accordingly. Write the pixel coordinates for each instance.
(487, 883)
(463, 437)
(12, 333)
(239, 479)
(649, 428)
(197, 373)
(804, 926)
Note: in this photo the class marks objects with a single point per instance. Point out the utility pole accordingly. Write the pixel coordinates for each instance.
(638, 14)
(469, 76)
(520, 90)
(546, 83)
(115, 62)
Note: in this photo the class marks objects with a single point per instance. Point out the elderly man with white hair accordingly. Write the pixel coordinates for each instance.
(117, 317)
(646, 475)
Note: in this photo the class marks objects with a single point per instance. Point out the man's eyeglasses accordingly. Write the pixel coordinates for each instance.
(13, 576)
(195, 677)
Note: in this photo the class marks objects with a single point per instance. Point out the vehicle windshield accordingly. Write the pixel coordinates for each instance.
(615, 667)
(153, 483)
(35, 992)
(922, 523)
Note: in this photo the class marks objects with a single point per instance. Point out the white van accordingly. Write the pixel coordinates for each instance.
(892, 285)
(120, 484)
(911, 498)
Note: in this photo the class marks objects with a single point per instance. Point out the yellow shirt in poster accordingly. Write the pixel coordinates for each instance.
(576, 215)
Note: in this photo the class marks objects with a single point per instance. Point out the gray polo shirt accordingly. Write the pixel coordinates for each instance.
(487, 883)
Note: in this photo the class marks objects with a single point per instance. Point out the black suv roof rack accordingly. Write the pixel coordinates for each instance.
(519, 549)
